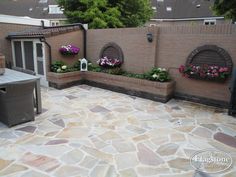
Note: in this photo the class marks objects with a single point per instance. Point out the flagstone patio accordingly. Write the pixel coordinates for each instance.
(86, 131)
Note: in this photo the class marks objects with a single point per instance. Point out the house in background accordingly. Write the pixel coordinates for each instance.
(171, 12)
(37, 9)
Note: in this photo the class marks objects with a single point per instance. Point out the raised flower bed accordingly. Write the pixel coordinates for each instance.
(158, 91)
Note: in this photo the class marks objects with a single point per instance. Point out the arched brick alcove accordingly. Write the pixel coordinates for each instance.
(113, 51)
(210, 55)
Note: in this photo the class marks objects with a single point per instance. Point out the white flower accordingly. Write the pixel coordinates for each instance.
(155, 76)
(163, 69)
(58, 70)
(64, 67)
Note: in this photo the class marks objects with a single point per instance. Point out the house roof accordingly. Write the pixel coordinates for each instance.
(31, 8)
(44, 32)
(182, 9)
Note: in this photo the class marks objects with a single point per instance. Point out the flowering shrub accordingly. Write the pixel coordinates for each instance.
(108, 63)
(69, 50)
(204, 71)
(158, 74)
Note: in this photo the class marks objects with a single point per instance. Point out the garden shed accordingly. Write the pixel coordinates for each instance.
(36, 49)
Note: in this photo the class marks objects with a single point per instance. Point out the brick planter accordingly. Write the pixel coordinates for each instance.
(138, 87)
(63, 80)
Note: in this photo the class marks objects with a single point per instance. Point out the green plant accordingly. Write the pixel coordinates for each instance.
(107, 13)
(115, 71)
(56, 65)
(138, 76)
(158, 74)
(76, 65)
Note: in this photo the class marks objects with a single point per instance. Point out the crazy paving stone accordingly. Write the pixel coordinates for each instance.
(59, 122)
(66, 171)
(160, 140)
(227, 130)
(110, 135)
(185, 129)
(50, 134)
(28, 129)
(128, 173)
(71, 97)
(13, 169)
(103, 171)
(88, 162)
(167, 149)
(140, 138)
(7, 135)
(34, 174)
(98, 109)
(151, 171)
(225, 139)
(231, 174)
(55, 142)
(73, 156)
(98, 143)
(177, 137)
(40, 162)
(147, 156)
(98, 154)
(126, 160)
(212, 127)
(135, 129)
(74, 133)
(202, 132)
(180, 163)
(124, 146)
(4, 163)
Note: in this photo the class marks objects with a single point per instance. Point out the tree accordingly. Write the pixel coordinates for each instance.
(96, 13)
(133, 12)
(107, 13)
(227, 8)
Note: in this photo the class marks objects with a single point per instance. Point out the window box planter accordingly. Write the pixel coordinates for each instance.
(157, 91)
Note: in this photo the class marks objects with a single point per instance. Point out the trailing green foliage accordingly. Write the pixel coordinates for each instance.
(107, 13)
(227, 8)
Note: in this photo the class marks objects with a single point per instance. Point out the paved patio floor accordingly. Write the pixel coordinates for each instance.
(87, 131)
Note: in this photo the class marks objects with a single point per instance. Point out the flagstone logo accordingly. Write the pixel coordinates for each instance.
(211, 161)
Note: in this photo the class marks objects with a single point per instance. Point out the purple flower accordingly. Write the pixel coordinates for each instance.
(69, 50)
(107, 62)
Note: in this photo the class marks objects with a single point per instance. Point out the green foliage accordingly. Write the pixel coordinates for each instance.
(61, 67)
(227, 8)
(138, 76)
(76, 65)
(158, 74)
(56, 65)
(107, 13)
(97, 13)
(134, 12)
(115, 71)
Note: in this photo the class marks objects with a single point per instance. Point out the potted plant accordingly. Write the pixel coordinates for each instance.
(205, 72)
(69, 50)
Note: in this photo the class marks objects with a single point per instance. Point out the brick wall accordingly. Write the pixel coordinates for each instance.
(170, 49)
(75, 38)
(177, 42)
(5, 45)
(139, 54)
